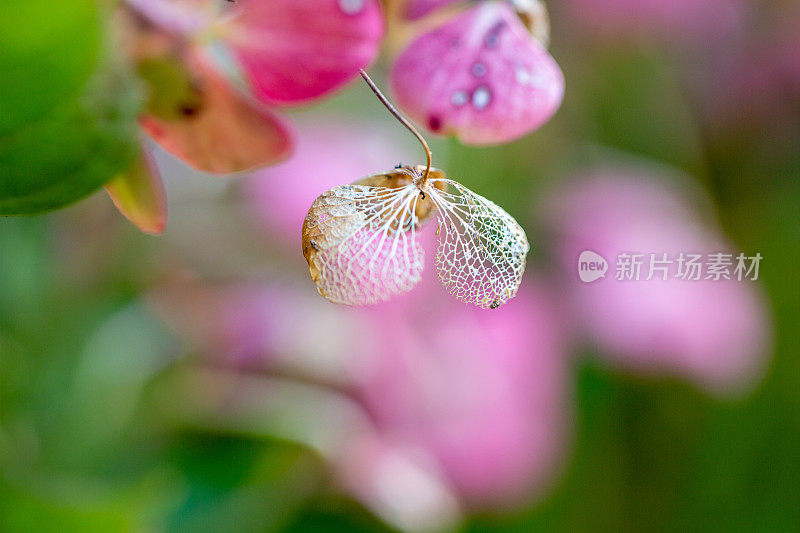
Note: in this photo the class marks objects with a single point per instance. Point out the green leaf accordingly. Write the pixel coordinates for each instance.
(46, 56)
(67, 109)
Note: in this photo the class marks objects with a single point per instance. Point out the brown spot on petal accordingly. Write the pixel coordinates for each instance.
(189, 110)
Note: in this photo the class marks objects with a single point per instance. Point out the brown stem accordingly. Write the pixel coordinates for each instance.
(402, 120)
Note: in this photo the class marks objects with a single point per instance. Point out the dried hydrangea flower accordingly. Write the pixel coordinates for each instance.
(360, 240)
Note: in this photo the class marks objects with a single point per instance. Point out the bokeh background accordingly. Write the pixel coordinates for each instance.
(195, 381)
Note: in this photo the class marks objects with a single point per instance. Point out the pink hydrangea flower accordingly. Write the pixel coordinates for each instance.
(481, 76)
(223, 68)
(716, 333)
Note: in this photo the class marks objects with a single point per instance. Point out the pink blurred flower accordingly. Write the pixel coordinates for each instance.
(422, 406)
(330, 151)
(675, 20)
(213, 72)
(260, 327)
(484, 393)
(714, 332)
(745, 93)
(481, 76)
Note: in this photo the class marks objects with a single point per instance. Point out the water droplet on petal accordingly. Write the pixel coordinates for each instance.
(537, 80)
(478, 70)
(481, 97)
(459, 98)
(525, 77)
(522, 75)
(351, 7)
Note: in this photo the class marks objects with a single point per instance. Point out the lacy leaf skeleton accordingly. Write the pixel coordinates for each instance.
(360, 240)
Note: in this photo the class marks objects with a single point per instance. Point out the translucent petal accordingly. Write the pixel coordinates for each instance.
(360, 243)
(482, 249)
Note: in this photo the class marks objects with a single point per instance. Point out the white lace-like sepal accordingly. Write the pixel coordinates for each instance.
(482, 249)
(360, 243)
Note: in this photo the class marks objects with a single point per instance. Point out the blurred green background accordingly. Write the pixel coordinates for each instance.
(85, 444)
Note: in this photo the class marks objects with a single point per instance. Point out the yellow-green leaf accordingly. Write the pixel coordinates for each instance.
(139, 195)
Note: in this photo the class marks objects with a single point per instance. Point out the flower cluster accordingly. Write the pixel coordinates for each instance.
(218, 71)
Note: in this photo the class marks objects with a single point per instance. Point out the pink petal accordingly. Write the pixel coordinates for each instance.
(138, 193)
(480, 76)
(222, 133)
(416, 9)
(295, 50)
